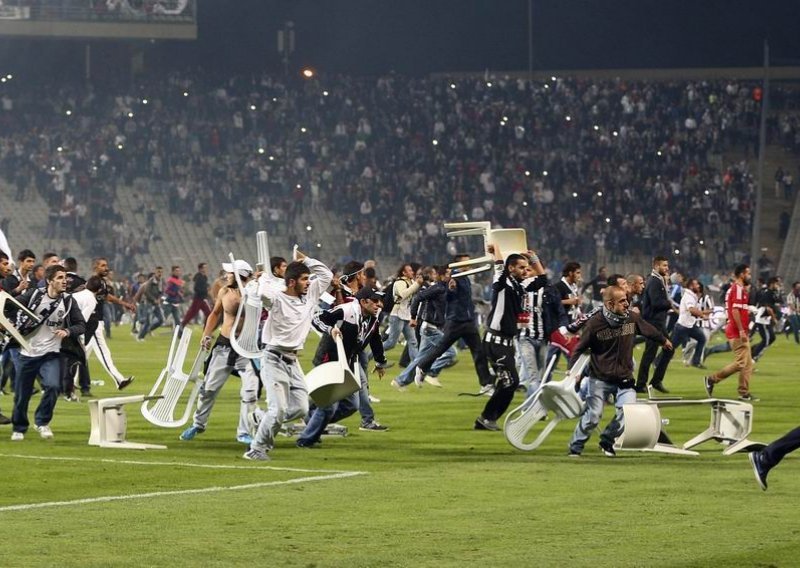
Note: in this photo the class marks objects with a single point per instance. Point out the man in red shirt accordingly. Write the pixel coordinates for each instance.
(737, 305)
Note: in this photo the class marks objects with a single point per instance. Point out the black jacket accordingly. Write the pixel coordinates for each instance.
(430, 304)
(357, 331)
(72, 320)
(655, 302)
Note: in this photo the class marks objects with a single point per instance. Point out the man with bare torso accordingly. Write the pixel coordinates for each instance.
(224, 360)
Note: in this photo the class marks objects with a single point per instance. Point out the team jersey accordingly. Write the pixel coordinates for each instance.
(736, 299)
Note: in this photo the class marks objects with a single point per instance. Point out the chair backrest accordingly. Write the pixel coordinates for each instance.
(248, 316)
(169, 389)
(5, 298)
(558, 397)
(509, 241)
(331, 382)
(642, 427)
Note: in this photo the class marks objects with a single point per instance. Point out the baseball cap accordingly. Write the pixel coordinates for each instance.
(240, 266)
(370, 293)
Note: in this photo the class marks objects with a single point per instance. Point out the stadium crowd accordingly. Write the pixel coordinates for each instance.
(592, 169)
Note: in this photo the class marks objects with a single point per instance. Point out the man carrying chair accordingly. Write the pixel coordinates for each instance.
(224, 360)
(356, 323)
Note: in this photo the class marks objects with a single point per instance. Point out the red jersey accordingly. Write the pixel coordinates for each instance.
(737, 299)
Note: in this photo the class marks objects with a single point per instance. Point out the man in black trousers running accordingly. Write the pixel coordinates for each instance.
(763, 461)
(655, 307)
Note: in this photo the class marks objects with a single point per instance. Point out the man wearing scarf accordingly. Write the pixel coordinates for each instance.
(609, 335)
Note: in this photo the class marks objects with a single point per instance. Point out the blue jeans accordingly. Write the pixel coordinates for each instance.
(396, 326)
(13, 352)
(680, 335)
(49, 369)
(532, 360)
(430, 339)
(596, 393)
(150, 318)
(364, 406)
(794, 324)
(321, 416)
(173, 310)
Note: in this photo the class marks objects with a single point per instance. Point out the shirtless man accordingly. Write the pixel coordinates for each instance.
(224, 360)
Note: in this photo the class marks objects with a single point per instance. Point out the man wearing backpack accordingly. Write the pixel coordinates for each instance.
(60, 318)
(403, 290)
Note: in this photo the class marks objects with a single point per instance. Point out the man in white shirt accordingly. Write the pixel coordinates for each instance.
(403, 289)
(689, 316)
(284, 333)
(60, 318)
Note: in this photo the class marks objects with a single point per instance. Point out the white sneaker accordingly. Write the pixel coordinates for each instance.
(398, 386)
(419, 377)
(45, 432)
(433, 381)
(374, 399)
(487, 390)
(17, 436)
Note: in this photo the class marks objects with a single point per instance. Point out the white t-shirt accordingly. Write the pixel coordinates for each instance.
(44, 340)
(290, 317)
(688, 301)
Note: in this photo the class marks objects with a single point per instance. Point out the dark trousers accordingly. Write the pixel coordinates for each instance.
(767, 334)
(502, 359)
(777, 450)
(650, 350)
(679, 337)
(197, 305)
(468, 331)
(49, 369)
(70, 363)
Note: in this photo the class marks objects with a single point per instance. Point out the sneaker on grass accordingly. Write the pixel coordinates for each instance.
(254, 454)
(17, 436)
(45, 432)
(373, 426)
(190, 433)
(244, 439)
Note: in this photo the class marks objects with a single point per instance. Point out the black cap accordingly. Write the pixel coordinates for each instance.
(370, 293)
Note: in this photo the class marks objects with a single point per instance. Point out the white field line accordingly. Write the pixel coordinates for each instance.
(175, 464)
(110, 498)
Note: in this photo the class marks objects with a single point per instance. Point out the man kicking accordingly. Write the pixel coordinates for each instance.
(224, 359)
(284, 335)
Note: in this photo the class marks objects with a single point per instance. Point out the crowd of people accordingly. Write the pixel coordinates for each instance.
(592, 169)
(58, 317)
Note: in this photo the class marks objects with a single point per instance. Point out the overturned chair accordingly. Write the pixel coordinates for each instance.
(731, 424)
(558, 397)
(333, 381)
(109, 421)
(509, 241)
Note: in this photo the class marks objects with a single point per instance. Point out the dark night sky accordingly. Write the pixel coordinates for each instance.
(422, 36)
(417, 36)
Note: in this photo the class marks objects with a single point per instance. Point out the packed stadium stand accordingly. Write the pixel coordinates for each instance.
(185, 168)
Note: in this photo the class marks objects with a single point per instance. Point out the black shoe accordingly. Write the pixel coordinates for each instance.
(308, 443)
(699, 366)
(660, 387)
(4, 420)
(608, 449)
(709, 385)
(749, 397)
(573, 454)
(86, 394)
(125, 383)
(641, 389)
(758, 469)
(482, 423)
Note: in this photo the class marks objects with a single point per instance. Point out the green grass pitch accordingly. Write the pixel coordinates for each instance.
(429, 492)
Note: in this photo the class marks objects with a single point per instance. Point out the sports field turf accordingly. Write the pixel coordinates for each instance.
(429, 492)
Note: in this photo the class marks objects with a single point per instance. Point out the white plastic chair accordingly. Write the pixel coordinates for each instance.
(169, 388)
(9, 325)
(332, 381)
(558, 397)
(509, 241)
(245, 342)
(109, 423)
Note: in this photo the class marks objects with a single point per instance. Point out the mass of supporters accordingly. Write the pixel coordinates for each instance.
(595, 172)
